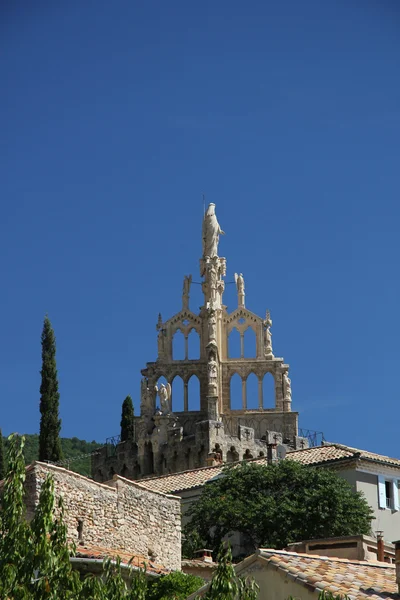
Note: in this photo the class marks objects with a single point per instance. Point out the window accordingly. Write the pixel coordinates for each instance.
(389, 494)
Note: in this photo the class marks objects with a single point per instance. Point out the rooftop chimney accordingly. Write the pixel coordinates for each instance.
(204, 555)
(381, 546)
(397, 560)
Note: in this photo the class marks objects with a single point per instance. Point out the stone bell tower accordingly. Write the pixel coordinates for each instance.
(165, 441)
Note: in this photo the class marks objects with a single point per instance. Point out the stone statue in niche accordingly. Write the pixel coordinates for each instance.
(267, 335)
(212, 326)
(240, 288)
(212, 372)
(164, 393)
(212, 278)
(186, 290)
(287, 387)
(211, 232)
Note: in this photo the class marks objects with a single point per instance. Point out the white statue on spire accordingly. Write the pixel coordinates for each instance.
(211, 232)
(240, 288)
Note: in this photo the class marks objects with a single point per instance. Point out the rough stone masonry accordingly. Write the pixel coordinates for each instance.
(119, 515)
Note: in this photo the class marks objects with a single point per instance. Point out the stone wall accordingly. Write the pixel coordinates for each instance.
(120, 515)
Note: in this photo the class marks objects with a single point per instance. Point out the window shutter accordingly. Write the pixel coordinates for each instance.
(381, 491)
(395, 494)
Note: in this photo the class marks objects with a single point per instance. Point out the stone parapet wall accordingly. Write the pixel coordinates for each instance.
(120, 515)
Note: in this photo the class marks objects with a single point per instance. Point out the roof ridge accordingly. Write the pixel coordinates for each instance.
(197, 469)
(271, 552)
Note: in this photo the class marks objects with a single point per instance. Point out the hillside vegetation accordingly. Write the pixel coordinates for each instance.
(72, 448)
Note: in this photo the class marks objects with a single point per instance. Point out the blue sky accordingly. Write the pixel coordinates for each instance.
(116, 117)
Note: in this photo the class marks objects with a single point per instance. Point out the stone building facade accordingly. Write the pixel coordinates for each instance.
(119, 516)
(167, 440)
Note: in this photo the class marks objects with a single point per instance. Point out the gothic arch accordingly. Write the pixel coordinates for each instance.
(178, 394)
(236, 392)
(249, 343)
(148, 459)
(193, 344)
(193, 393)
(178, 345)
(234, 343)
(252, 391)
(268, 391)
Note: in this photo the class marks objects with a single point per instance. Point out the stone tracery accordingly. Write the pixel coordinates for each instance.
(170, 435)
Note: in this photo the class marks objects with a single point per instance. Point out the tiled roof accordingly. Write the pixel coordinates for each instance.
(185, 480)
(328, 453)
(358, 579)
(138, 561)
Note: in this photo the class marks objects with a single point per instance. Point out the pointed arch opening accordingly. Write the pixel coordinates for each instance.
(148, 459)
(252, 391)
(268, 391)
(178, 346)
(236, 395)
(250, 343)
(193, 345)
(234, 344)
(177, 394)
(193, 393)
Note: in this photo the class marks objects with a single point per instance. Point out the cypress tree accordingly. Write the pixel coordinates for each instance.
(127, 420)
(2, 460)
(50, 423)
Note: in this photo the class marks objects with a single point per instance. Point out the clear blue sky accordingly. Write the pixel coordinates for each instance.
(117, 116)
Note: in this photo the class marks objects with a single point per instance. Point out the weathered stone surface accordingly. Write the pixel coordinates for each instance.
(118, 515)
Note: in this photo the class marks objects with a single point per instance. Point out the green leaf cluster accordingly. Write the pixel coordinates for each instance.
(274, 505)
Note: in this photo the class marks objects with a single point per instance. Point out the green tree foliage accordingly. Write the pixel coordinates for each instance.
(127, 420)
(2, 458)
(226, 585)
(35, 557)
(50, 423)
(175, 586)
(273, 505)
(73, 450)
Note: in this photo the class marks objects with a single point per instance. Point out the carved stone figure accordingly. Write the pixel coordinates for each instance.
(164, 393)
(212, 371)
(287, 387)
(267, 335)
(212, 279)
(240, 288)
(239, 283)
(211, 232)
(212, 326)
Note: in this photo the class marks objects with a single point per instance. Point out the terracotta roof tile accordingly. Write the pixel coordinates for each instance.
(185, 480)
(360, 579)
(327, 453)
(138, 561)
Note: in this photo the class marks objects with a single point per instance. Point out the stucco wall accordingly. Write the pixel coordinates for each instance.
(386, 520)
(121, 515)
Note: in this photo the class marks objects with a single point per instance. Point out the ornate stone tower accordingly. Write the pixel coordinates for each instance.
(165, 441)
